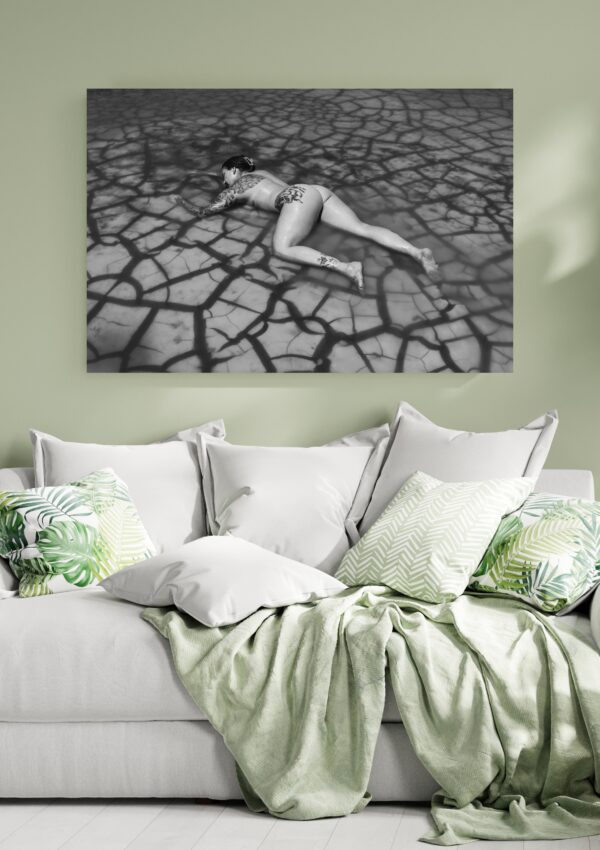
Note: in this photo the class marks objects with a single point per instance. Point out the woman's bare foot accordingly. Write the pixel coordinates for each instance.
(430, 267)
(355, 272)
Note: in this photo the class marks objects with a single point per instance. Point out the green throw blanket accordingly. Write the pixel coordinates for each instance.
(501, 704)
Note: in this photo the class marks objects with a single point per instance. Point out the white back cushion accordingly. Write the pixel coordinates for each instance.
(163, 478)
(293, 501)
(417, 444)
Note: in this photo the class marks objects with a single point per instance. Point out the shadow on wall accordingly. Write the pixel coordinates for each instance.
(557, 191)
(557, 292)
(558, 227)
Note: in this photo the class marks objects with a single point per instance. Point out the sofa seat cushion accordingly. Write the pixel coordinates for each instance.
(85, 656)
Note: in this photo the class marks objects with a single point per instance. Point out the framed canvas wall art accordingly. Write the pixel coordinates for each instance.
(292, 230)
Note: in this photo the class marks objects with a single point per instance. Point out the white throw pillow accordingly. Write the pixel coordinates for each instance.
(220, 580)
(293, 501)
(163, 478)
(419, 444)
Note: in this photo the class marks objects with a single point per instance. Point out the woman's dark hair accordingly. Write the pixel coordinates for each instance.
(242, 163)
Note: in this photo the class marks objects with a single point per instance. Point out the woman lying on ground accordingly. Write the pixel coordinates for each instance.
(300, 206)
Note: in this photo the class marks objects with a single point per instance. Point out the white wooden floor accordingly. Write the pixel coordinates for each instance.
(176, 825)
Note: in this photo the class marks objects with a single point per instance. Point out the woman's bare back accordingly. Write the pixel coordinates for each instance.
(262, 189)
(259, 189)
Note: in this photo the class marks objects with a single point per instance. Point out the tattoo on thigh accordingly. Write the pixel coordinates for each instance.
(289, 195)
(327, 262)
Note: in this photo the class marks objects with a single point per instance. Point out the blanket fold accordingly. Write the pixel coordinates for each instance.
(500, 702)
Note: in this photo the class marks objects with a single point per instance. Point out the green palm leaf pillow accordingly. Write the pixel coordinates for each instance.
(70, 536)
(547, 553)
(431, 537)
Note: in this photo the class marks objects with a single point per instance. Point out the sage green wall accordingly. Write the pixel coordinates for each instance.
(52, 50)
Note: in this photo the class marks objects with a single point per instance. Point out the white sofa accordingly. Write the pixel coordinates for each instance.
(90, 705)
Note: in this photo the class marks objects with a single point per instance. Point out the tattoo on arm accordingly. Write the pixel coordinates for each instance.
(232, 194)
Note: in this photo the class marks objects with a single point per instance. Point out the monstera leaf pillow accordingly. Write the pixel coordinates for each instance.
(71, 536)
(547, 553)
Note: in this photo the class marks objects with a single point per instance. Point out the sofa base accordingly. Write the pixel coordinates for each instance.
(184, 758)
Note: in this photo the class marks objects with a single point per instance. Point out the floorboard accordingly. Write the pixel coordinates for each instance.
(207, 825)
(178, 827)
(52, 826)
(15, 815)
(374, 827)
(236, 828)
(115, 827)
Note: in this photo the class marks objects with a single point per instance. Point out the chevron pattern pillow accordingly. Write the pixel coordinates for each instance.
(430, 539)
(547, 553)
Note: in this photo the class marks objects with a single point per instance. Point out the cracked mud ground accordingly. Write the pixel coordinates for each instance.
(169, 293)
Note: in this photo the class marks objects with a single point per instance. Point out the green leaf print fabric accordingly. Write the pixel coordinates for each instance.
(547, 553)
(73, 535)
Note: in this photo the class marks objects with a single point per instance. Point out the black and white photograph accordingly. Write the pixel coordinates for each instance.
(300, 230)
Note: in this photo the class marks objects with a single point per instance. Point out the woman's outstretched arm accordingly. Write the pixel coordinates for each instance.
(227, 198)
